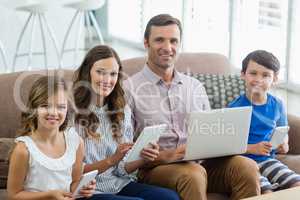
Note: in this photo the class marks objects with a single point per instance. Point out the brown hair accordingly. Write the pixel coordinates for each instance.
(83, 94)
(41, 90)
(161, 20)
(262, 57)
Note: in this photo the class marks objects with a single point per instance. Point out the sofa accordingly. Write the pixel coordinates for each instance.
(213, 70)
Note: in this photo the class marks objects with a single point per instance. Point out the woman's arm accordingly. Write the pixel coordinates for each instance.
(110, 161)
(18, 167)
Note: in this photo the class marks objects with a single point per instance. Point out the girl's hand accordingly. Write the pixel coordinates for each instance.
(120, 152)
(88, 190)
(150, 153)
(261, 148)
(61, 195)
(283, 148)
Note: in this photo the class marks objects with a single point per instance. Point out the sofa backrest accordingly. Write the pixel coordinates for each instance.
(18, 84)
(204, 63)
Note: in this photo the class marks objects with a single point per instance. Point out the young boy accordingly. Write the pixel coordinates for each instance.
(260, 71)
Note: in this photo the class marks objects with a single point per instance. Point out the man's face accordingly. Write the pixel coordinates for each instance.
(162, 45)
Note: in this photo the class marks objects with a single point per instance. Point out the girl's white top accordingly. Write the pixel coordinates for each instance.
(45, 173)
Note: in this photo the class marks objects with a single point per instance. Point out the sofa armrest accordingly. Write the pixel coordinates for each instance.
(294, 134)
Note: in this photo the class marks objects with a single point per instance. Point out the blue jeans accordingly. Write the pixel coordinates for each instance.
(139, 191)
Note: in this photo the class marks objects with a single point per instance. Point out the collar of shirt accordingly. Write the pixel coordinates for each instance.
(155, 79)
(98, 110)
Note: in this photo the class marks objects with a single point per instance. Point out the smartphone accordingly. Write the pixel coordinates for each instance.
(84, 181)
(279, 135)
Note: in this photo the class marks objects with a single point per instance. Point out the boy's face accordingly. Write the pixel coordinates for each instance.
(258, 78)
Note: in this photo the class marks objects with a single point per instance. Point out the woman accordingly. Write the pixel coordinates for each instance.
(104, 122)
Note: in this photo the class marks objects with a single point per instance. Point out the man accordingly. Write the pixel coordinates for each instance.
(160, 94)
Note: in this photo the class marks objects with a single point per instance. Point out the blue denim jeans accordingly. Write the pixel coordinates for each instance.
(138, 191)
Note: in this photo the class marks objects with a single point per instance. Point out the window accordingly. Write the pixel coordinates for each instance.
(260, 24)
(131, 27)
(125, 24)
(294, 67)
(207, 26)
(230, 27)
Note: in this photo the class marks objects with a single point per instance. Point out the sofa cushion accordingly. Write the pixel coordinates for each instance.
(5, 148)
(221, 89)
(291, 160)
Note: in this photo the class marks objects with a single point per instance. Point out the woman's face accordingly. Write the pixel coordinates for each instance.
(104, 75)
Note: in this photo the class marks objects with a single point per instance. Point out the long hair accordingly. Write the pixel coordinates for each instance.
(115, 101)
(41, 90)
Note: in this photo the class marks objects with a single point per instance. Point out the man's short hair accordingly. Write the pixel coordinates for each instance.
(161, 20)
(263, 58)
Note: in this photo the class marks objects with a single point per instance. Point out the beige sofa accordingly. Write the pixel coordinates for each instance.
(192, 63)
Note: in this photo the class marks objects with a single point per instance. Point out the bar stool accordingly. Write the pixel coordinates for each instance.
(37, 11)
(84, 12)
(3, 55)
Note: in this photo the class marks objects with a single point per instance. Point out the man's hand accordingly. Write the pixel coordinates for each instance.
(261, 148)
(171, 155)
(150, 153)
(283, 148)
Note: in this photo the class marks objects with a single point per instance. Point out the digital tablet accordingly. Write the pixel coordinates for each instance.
(84, 181)
(279, 135)
(148, 135)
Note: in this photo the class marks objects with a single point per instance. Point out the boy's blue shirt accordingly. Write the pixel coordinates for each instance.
(265, 118)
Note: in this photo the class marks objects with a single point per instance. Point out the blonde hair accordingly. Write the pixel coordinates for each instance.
(41, 90)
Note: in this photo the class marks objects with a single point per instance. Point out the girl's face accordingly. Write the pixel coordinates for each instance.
(52, 114)
(104, 76)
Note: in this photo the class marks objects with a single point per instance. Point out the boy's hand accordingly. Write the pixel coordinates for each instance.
(283, 148)
(261, 148)
(88, 190)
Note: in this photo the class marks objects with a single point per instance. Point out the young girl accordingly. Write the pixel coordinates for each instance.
(104, 121)
(46, 162)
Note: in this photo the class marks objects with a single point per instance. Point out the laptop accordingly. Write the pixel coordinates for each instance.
(217, 133)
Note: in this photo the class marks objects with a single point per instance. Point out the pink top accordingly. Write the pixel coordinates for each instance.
(153, 102)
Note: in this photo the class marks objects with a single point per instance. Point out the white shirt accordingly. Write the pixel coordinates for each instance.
(47, 173)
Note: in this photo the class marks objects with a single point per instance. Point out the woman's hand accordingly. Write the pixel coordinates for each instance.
(61, 195)
(88, 190)
(261, 148)
(150, 153)
(120, 152)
